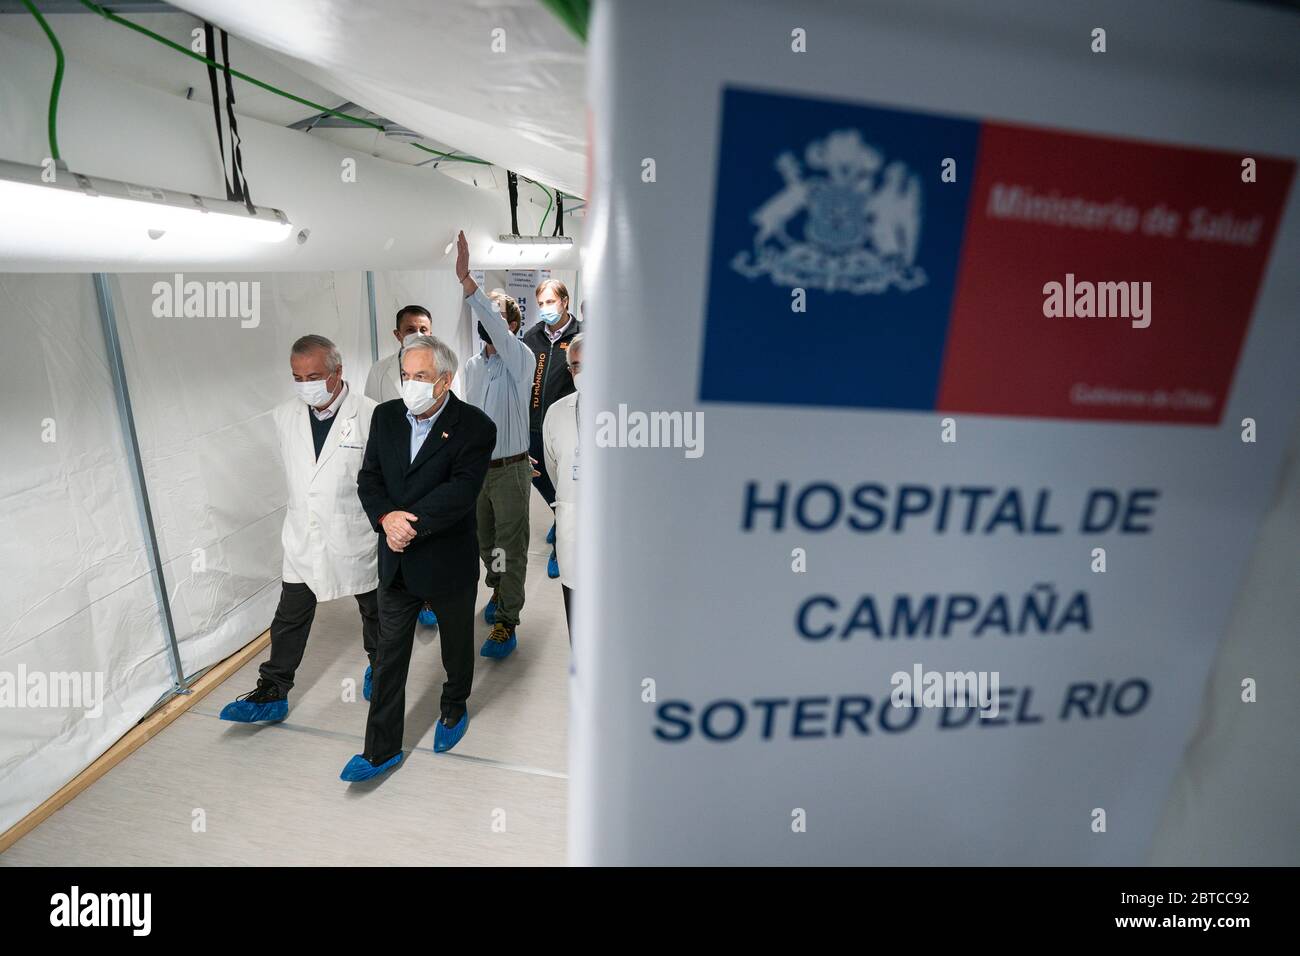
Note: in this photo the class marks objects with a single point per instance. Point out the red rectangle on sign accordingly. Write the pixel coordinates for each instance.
(1177, 227)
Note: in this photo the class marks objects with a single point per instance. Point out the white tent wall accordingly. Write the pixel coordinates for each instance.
(203, 390)
(391, 217)
(76, 595)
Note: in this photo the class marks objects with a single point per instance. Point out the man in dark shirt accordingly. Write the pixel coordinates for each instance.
(549, 339)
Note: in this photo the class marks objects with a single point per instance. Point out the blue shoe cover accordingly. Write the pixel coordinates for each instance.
(359, 768)
(553, 566)
(444, 738)
(490, 612)
(498, 649)
(428, 618)
(550, 535)
(247, 712)
(366, 684)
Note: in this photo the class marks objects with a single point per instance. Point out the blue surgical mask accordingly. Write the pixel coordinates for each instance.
(550, 318)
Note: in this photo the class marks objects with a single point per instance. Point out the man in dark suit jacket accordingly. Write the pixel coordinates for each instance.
(425, 462)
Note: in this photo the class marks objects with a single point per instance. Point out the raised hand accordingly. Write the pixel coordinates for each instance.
(462, 256)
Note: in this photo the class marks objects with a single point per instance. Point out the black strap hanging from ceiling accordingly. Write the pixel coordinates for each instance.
(209, 48)
(236, 154)
(559, 214)
(512, 181)
(236, 182)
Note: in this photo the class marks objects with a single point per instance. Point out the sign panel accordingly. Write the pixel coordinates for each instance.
(942, 244)
(925, 446)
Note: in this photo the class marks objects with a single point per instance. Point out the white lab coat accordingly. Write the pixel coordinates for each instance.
(328, 542)
(560, 442)
(384, 383)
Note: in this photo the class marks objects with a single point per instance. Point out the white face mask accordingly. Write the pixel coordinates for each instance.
(406, 342)
(314, 394)
(577, 384)
(418, 396)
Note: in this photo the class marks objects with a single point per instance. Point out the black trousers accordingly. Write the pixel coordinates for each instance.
(292, 624)
(537, 449)
(568, 612)
(398, 611)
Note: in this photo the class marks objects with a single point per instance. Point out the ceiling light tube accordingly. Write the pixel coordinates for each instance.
(538, 248)
(535, 240)
(82, 201)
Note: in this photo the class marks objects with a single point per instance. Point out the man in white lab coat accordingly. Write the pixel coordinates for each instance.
(560, 444)
(330, 549)
(384, 383)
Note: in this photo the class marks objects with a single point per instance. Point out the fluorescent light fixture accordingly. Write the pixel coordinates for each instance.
(536, 246)
(90, 201)
(511, 239)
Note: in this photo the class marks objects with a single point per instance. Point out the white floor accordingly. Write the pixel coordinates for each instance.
(271, 794)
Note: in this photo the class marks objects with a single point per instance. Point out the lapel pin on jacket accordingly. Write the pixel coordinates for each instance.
(445, 435)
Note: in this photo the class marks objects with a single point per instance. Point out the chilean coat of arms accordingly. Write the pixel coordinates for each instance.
(845, 221)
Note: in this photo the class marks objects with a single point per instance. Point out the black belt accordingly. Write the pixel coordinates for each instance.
(508, 461)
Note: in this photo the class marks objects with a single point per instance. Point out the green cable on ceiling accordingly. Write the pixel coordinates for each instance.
(573, 13)
(113, 17)
(550, 201)
(58, 79)
(451, 157)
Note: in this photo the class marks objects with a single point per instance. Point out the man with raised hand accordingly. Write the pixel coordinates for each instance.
(498, 380)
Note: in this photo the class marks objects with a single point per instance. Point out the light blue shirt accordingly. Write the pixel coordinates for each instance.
(500, 384)
(420, 429)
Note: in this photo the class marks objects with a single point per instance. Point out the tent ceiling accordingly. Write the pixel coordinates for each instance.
(91, 41)
(430, 65)
(94, 43)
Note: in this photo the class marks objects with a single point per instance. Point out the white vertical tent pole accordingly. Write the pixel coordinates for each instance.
(113, 346)
(374, 322)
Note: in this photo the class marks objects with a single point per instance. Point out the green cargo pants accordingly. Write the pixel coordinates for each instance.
(503, 535)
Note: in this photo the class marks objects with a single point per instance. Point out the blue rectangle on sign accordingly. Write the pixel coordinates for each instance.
(844, 205)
